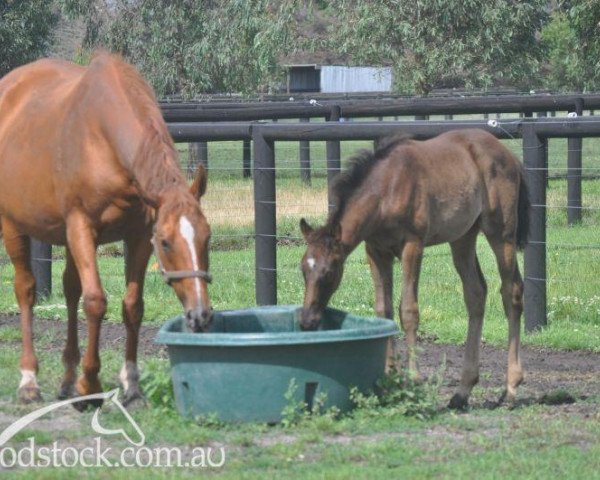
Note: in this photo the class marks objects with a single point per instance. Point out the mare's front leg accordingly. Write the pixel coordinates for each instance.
(71, 354)
(81, 238)
(412, 256)
(381, 264)
(18, 248)
(139, 250)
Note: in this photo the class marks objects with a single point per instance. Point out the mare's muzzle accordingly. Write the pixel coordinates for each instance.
(199, 319)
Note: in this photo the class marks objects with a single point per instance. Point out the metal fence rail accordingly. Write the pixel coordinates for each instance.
(533, 132)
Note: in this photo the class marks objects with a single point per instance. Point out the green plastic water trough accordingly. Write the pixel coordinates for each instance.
(242, 368)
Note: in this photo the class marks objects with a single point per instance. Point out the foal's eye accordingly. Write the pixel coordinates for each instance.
(165, 244)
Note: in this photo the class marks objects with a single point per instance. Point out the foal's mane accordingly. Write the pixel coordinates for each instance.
(155, 165)
(360, 165)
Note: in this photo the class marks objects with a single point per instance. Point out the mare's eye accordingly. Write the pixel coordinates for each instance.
(165, 244)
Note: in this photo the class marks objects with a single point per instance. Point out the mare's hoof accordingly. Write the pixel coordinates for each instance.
(29, 394)
(134, 399)
(67, 390)
(84, 405)
(458, 402)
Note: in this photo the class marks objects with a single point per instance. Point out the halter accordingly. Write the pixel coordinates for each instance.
(170, 275)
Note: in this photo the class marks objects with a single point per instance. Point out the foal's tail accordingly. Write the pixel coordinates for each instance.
(523, 212)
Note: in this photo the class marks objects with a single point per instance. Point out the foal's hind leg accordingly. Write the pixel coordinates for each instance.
(512, 299)
(71, 354)
(139, 250)
(381, 264)
(17, 247)
(412, 256)
(465, 260)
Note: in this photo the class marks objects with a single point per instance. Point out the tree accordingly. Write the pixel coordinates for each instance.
(435, 43)
(194, 46)
(584, 16)
(564, 67)
(25, 31)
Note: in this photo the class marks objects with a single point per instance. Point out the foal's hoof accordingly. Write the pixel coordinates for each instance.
(507, 398)
(29, 394)
(458, 402)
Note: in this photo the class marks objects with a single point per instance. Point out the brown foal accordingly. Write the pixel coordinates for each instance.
(412, 194)
(86, 159)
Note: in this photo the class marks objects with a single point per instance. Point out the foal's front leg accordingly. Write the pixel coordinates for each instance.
(381, 264)
(412, 256)
(81, 238)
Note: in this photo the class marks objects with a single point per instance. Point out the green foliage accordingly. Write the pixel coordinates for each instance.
(584, 16)
(399, 394)
(435, 43)
(563, 61)
(197, 46)
(156, 384)
(25, 31)
(297, 412)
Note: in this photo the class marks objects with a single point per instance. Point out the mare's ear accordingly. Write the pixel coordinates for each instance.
(306, 229)
(198, 187)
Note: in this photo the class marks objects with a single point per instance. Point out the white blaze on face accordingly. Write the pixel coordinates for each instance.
(311, 262)
(188, 233)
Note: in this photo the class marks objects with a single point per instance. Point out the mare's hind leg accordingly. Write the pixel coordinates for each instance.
(465, 260)
(139, 250)
(412, 256)
(512, 299)
(81, 238)
(71, 354)
(18, 248)
(381, 264)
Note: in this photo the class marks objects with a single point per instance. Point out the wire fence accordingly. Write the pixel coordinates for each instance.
(229, 205)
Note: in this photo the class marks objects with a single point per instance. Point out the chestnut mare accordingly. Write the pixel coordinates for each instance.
(86, 159)
(409, 195)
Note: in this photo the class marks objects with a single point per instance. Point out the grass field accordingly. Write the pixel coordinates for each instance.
(534, 441)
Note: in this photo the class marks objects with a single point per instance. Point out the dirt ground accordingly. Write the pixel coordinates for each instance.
(551, 376)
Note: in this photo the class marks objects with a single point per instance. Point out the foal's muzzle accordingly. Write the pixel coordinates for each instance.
(310, 318)
(199, 319)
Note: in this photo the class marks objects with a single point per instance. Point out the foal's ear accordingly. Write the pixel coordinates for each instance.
(306, 229)
(337, 232)
(198, 187)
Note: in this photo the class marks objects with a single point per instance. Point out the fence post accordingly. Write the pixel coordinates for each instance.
(246, 159)
(535, 158)
(41, 264)
(334, 162)
(265, 220)
(574, 164)
(304, 154)
(197, 153)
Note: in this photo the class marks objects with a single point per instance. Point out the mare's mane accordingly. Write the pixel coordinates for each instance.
(155, 165)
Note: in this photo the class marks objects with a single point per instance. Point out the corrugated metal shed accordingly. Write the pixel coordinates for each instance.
(338, 79)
